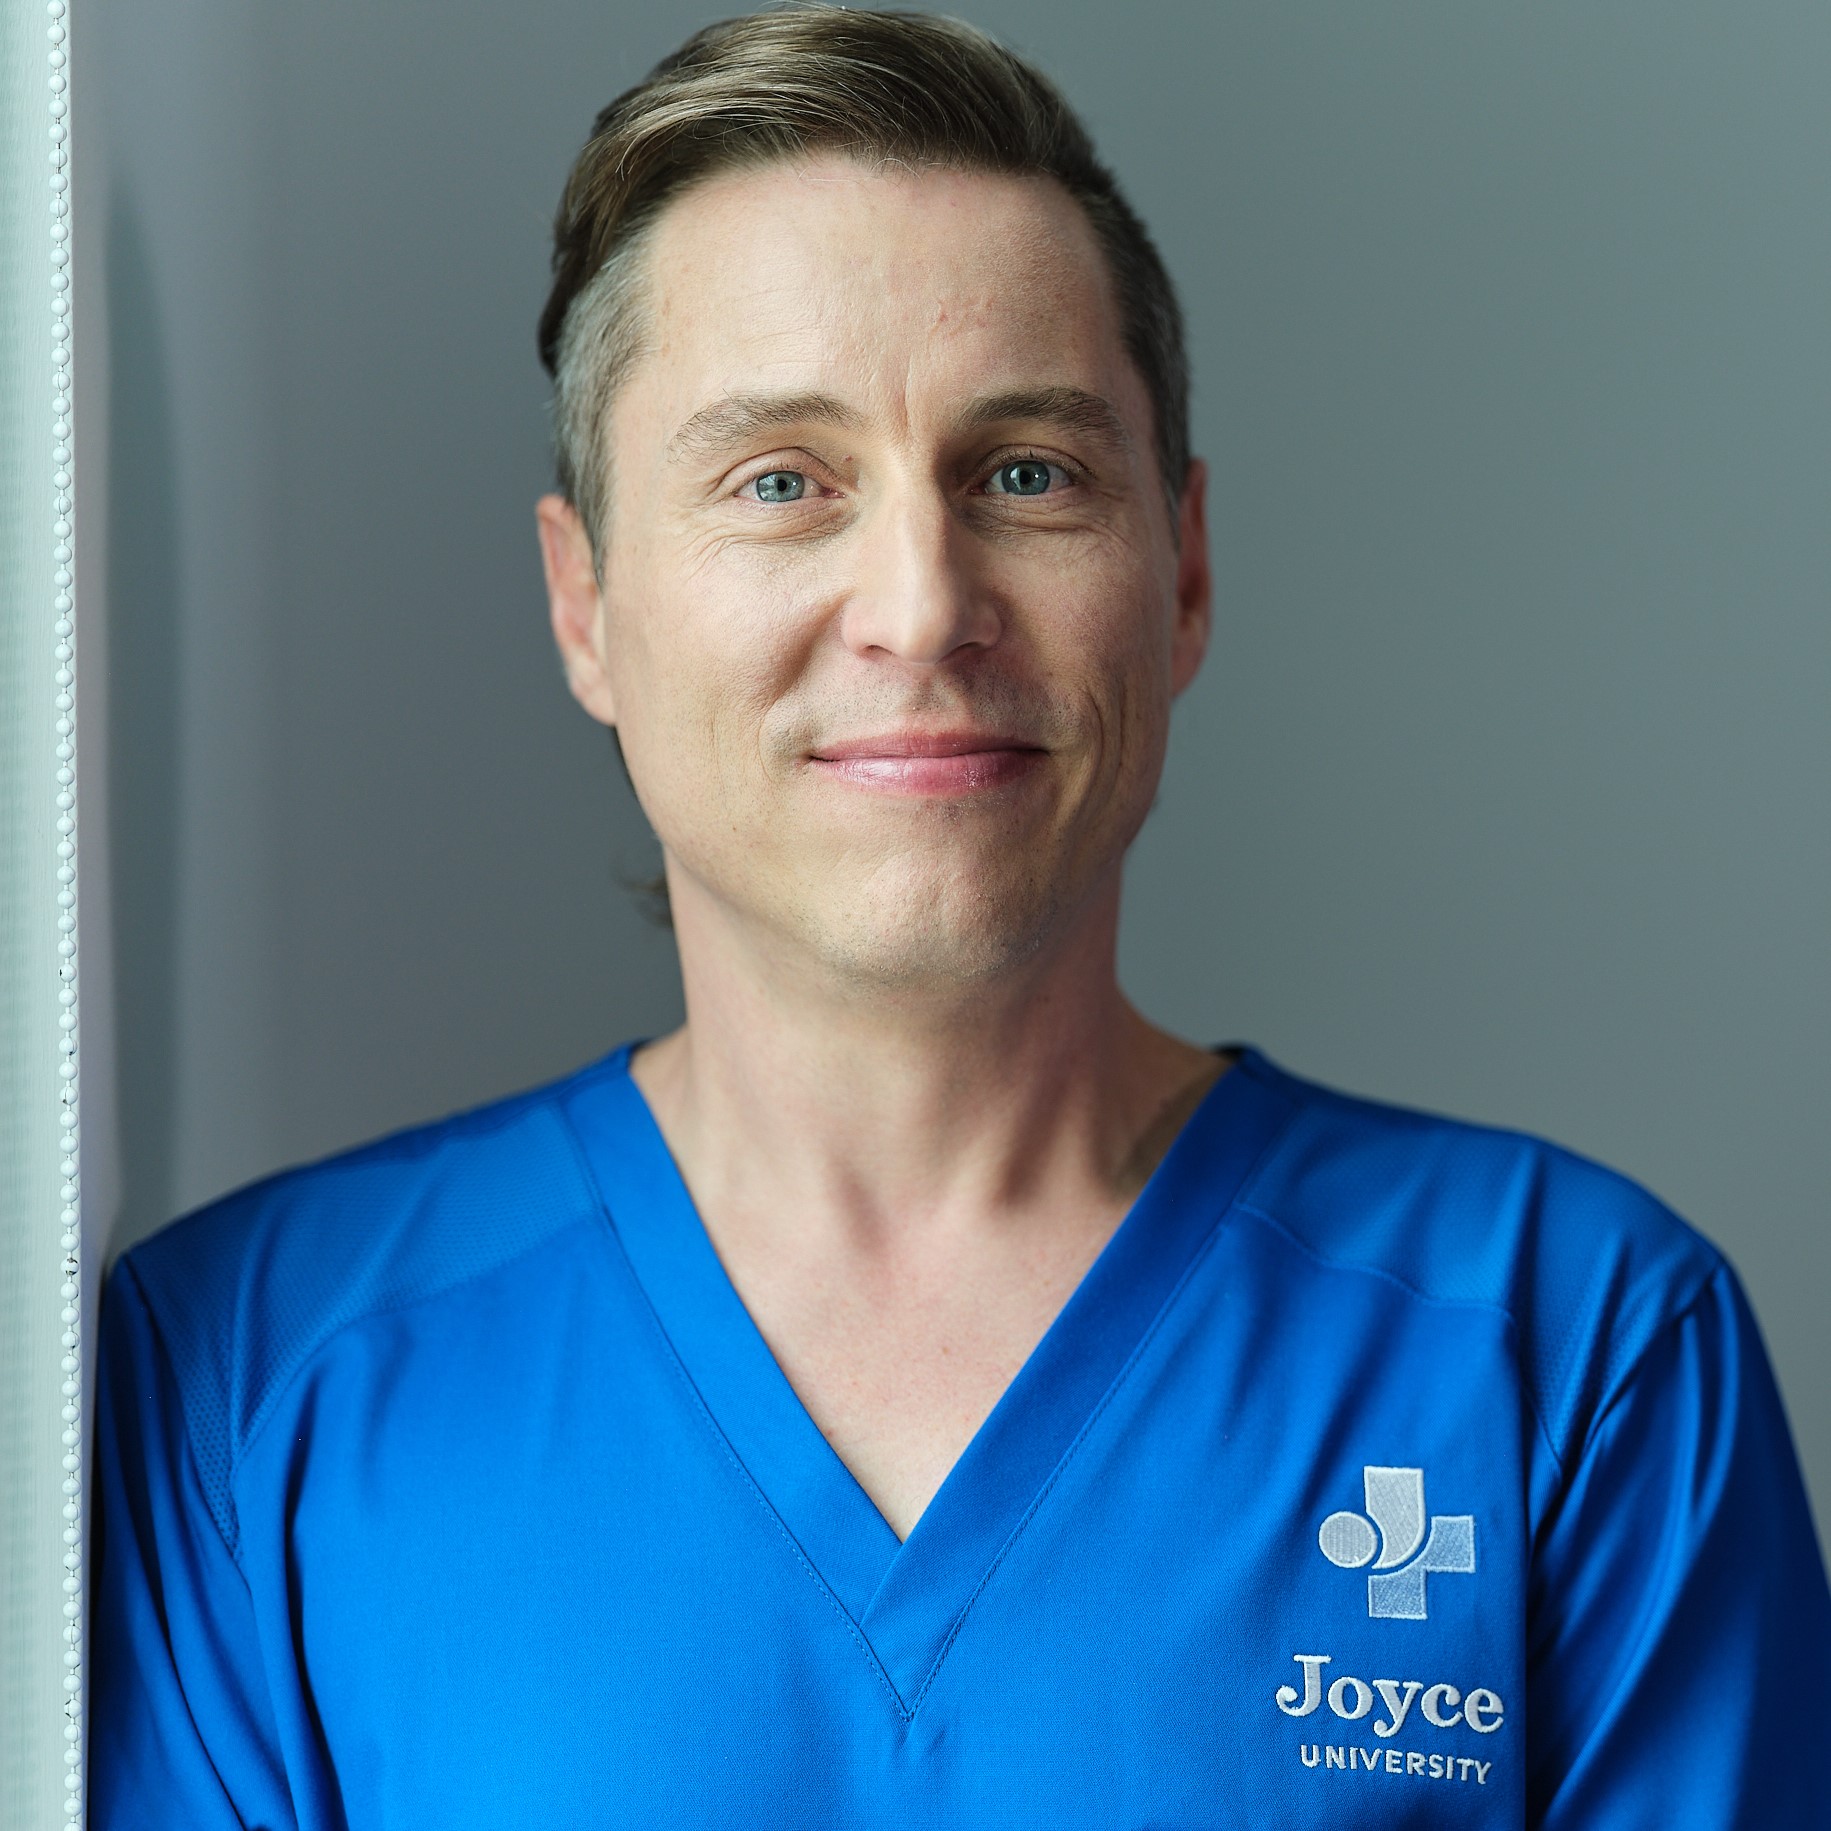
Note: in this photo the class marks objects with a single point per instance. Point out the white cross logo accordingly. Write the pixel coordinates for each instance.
(1395, 1504)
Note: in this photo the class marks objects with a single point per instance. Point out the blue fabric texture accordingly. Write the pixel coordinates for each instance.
(1383, 1471)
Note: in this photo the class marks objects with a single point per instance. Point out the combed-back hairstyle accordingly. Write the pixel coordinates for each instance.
(909, 87)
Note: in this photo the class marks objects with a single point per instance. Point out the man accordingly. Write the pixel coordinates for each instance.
(918, 1392)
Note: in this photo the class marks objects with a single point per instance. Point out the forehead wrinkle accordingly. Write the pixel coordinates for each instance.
(739, 417)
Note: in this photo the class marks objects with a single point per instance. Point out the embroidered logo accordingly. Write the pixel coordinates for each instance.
(1395, 1505)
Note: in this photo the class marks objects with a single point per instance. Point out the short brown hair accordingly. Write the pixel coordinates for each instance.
(912, 87)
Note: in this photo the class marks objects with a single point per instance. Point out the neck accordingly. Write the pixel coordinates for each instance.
(883, 1112)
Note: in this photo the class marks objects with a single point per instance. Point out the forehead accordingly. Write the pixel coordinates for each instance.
(877, 280)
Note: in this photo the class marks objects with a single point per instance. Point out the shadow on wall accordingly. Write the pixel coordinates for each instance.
(143, 710)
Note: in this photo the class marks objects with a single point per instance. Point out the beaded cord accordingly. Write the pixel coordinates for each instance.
(64, 679)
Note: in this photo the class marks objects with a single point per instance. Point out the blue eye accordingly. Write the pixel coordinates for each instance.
(781, 486)
(1024, 477)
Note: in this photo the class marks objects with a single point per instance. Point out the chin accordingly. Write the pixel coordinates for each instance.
(924, 930)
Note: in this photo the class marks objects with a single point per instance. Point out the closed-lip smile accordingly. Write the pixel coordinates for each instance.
(927, 762)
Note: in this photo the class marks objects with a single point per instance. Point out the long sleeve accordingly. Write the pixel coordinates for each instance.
(1681, 1657)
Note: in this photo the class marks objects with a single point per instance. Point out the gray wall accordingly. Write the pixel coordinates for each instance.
(1504, 793)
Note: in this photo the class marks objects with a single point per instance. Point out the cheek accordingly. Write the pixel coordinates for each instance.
(698, 661)
(1118, 645)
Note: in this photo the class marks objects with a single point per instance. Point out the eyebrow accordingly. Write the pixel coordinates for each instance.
(1072, 409)
(739, 418)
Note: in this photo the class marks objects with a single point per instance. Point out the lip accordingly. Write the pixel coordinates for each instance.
(927, 762)
(918, 744)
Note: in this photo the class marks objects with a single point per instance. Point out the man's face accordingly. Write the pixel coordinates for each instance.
(893, 607)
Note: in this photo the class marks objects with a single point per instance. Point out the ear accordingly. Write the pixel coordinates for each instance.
(1194, 581)
(575, 606)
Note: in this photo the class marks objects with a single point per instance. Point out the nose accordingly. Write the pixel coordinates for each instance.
(915, 593)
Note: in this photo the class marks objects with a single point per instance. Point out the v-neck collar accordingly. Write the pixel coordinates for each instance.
(907, 1599)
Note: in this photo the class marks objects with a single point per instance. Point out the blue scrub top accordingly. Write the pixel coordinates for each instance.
(1382, 1471)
